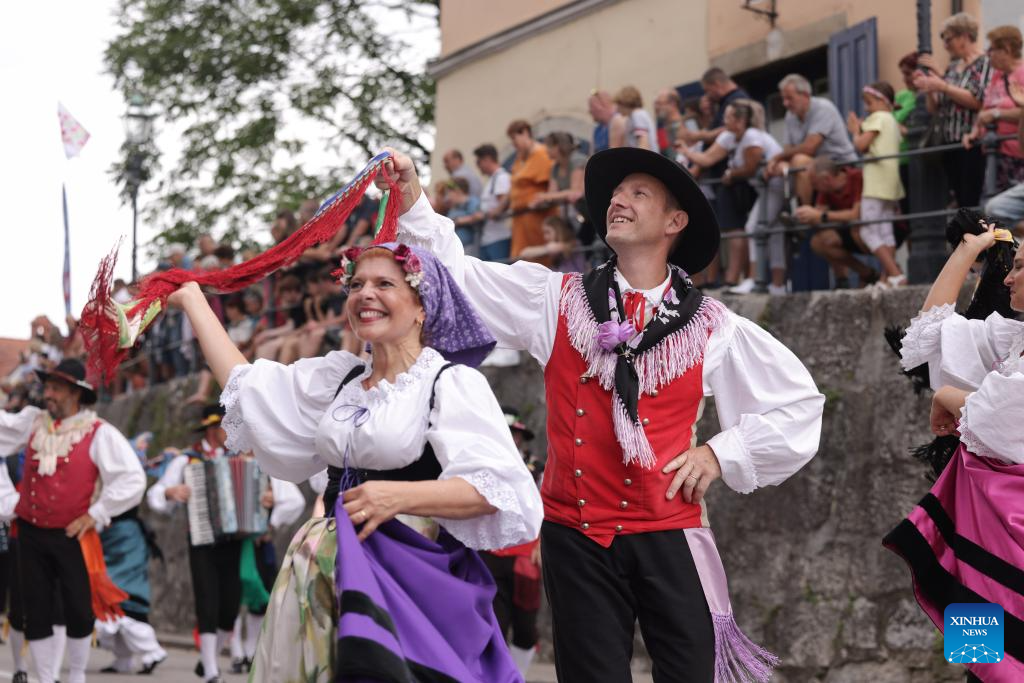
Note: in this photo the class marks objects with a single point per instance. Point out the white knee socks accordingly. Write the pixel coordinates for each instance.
(253, 622)
(42, 658)
(78, 658)
(60, 640)
(208, 655)
(236, 640)
(522, 658)
(18, 649)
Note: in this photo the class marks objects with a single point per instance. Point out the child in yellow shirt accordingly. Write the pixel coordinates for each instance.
(878, 135)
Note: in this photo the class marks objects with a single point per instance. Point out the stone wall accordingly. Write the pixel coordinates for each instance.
(808, 575)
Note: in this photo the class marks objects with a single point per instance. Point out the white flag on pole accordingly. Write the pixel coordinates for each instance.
(71, 132)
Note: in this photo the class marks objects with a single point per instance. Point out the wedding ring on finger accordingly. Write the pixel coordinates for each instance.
(362, 515)
(690, 476)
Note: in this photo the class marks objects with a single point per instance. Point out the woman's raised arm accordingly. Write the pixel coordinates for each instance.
(220, 352)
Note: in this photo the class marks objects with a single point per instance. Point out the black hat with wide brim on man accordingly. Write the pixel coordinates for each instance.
(72, 372)
(212, 416)
(698, 245)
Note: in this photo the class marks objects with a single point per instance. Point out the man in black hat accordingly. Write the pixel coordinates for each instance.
(216, 583)
(629, 351)
(69, 450)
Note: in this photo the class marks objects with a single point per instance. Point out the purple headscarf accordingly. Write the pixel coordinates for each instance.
(452, 326)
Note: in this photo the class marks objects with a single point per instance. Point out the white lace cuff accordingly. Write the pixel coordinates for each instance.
(501, 529)
(238, 437)
(738, 471)
(971, 441)
(921, 340)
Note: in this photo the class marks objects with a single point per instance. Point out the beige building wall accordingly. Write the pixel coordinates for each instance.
(739, 39)
(464, 22)
(551, 73)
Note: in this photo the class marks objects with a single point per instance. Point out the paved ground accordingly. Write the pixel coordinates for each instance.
(182, 659)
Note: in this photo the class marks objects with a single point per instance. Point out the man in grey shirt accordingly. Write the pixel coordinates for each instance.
(457, 168)
(813, 127)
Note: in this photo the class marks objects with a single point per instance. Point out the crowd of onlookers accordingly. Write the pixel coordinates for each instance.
(833, 180)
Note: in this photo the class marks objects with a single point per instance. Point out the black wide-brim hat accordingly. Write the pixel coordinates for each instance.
(72, 372)
(605, 170)
(213, 415)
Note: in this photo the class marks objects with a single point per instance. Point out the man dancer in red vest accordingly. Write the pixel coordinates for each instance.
(629, 352)
(69, 449)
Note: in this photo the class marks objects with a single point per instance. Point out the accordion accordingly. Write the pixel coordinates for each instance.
(225, 499)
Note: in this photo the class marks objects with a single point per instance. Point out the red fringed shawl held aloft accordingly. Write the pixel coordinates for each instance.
(110, 330)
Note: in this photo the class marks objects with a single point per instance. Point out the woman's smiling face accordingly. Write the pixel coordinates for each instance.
(382, 306)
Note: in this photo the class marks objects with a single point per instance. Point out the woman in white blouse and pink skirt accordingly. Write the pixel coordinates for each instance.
(964, 541)
(361, 594)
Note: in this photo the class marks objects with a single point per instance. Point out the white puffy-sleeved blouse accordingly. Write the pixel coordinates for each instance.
(768, 405)
(980, 356)
(289, 416)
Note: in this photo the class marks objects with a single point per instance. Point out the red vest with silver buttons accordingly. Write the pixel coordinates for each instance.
(54, 501)
(586, 484)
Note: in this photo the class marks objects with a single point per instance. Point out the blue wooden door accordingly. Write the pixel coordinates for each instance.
(852, 64)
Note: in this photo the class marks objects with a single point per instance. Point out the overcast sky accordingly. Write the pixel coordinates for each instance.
(50, 51)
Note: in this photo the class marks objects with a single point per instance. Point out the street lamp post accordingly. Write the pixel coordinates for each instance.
(138, 128)
(927, 189)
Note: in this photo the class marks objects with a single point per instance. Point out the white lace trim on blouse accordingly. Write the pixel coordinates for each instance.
(238, 436)
(383, 391)
(921, 340)
(480, 532)
(969, 439)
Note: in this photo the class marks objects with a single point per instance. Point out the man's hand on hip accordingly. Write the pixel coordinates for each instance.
(695, 470)
(79, 526)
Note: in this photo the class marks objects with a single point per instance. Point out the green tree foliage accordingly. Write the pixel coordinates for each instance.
(272, 101)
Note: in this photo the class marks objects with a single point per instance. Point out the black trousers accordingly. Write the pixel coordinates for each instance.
(52, 569)
(216, 584)
(597, 595)
(522, 622)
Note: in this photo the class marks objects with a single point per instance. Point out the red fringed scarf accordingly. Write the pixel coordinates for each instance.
(103, 321)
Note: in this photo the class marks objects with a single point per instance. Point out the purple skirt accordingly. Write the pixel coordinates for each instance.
(964, 542)
(412, 609)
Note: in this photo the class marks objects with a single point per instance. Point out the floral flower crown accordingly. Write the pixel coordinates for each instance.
(410, 262)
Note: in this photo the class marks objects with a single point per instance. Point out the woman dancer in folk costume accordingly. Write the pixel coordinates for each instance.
(630, 350)
(964, 541)
(362, 595)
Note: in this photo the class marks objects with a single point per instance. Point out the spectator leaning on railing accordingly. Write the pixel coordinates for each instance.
(1004, 53)
(719, 91)
(462, 209)
(956, 97)
(746, 146)
(813, 127)
(878, 136)
(838, 200)
(560, 248)
(458, 168)
(496, 236)
(566, 183)
(1009, 205)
